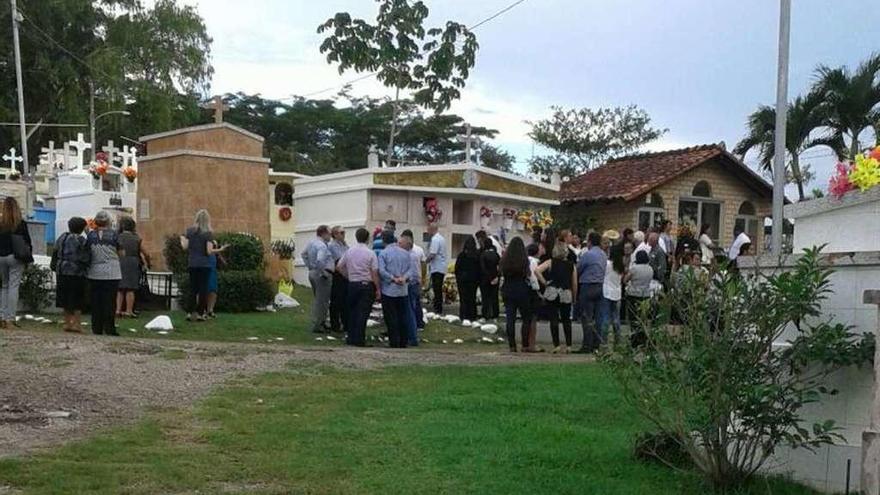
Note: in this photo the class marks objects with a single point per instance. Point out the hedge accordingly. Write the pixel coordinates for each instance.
(245, 253)
(238, 292)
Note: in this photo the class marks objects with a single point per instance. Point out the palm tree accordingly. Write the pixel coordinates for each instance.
(851, 98)
(806, 115)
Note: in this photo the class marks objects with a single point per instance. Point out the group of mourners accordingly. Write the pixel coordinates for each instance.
(560, 276)
(108, 264)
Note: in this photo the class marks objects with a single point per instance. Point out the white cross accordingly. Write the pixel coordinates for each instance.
(125, 156)
(134, 157)
(50, 156)
(81, 145)
(12, 158)
(111, 151)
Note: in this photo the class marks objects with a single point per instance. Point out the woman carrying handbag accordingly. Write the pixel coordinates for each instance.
(15, 253)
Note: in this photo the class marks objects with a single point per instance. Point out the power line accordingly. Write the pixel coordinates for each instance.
(367, 76)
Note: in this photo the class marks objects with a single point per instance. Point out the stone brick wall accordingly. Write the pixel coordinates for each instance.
(726, 189)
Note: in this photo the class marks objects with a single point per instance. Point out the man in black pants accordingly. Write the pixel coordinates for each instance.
(338, 305)
(360, 266)
(437, 265)
(591, 276)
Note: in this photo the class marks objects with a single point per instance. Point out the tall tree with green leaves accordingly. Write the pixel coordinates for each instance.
(585, 138)
(432, 63)
(331, 135)
(494, 157)
(852, 99)
(153, 62)
(807, 117)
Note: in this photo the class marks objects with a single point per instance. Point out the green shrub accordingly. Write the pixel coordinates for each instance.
(245, 252)
(35, 290)
(238, 291)
(175, 257)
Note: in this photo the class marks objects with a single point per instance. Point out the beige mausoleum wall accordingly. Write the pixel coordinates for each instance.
(216, 140)
(172, 189)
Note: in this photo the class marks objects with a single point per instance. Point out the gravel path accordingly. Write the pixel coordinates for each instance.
(56, 387)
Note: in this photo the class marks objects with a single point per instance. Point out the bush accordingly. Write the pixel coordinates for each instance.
(35, 290)
(717, 383)
(238, 291)
(661, 447)
(175, 257)
(245, 252)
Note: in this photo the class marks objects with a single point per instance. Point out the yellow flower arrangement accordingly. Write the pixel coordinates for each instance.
(865, 173)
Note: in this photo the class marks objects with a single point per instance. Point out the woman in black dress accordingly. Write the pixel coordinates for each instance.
(489, 279)
(467, 277)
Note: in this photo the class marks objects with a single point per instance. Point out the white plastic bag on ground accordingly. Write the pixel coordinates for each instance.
(372, 323)
(476, 324)
(452, 319)
(489, 328)
(282, 300)
(160, 322)
(465, 323)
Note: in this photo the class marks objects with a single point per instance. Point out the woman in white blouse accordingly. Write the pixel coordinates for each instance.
(708, 256)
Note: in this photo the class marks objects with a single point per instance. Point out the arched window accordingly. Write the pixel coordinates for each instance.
(702, 189)
(283, 194)
(747, 208)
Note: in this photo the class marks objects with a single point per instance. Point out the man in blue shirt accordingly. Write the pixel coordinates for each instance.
(338, 307)
(591, 276)
(395, 272)
(414, 287)
(319, 262)
(437, 265)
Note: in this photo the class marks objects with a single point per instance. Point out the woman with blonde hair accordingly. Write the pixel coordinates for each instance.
(15, 253)
(199, 243)
(104, 274)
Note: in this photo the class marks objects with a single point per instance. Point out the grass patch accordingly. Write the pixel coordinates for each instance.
(289, 326)
(407, 430)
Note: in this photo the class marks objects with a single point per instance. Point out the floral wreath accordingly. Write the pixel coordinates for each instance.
(285, 213)
(433, 213)
(99, 167)
(863, 174)
(485, 212)
(509, 213)
(130, 173)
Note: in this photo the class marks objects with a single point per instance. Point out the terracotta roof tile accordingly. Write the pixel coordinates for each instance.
(629, 177)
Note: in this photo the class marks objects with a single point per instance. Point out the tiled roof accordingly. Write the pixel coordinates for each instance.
(626, 178)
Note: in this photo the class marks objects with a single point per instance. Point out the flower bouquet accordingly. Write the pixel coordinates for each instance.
(863, 174)
(485, 216)
(130, 174)
(509, 214)
(98, 169)
(433, 213)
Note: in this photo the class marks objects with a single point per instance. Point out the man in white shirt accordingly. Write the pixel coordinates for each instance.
(437, 265)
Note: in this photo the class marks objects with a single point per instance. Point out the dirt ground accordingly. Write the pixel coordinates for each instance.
(56, 387)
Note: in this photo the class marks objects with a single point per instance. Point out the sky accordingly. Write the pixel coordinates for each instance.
(698, 67)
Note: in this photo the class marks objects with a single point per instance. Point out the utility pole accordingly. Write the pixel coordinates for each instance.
(779, 137)
(92, 116)
(467, 146)
(21, 118)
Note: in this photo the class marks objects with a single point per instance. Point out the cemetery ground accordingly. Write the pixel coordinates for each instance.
(205, 410)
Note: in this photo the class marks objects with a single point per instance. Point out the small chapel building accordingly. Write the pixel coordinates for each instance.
(697, 185)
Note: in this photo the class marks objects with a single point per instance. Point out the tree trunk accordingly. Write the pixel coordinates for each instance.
(390, 152)
(796, 175)
(854, 146)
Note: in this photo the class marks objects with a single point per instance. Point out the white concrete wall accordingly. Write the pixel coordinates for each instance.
(849, 229)
(825, 469)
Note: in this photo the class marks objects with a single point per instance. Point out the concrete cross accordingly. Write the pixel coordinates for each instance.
(50, 156)
(111, 151)
(125, 156)
(11, 157)
(134, 157)
(219, 107)
(81, 145)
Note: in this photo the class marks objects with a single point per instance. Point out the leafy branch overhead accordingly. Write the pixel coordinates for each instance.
(585, 138)
(432, 63)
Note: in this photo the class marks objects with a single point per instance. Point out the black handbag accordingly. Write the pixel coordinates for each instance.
(21, 250)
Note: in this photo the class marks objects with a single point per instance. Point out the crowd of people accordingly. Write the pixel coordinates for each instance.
(556, 277)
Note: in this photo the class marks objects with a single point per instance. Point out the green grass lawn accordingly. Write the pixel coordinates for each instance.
(405, 430)
(291, 325)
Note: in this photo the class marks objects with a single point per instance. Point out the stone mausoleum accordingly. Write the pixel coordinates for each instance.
(219, 167)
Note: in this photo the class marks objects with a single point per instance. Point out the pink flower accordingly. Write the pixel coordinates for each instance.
(839, 184)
